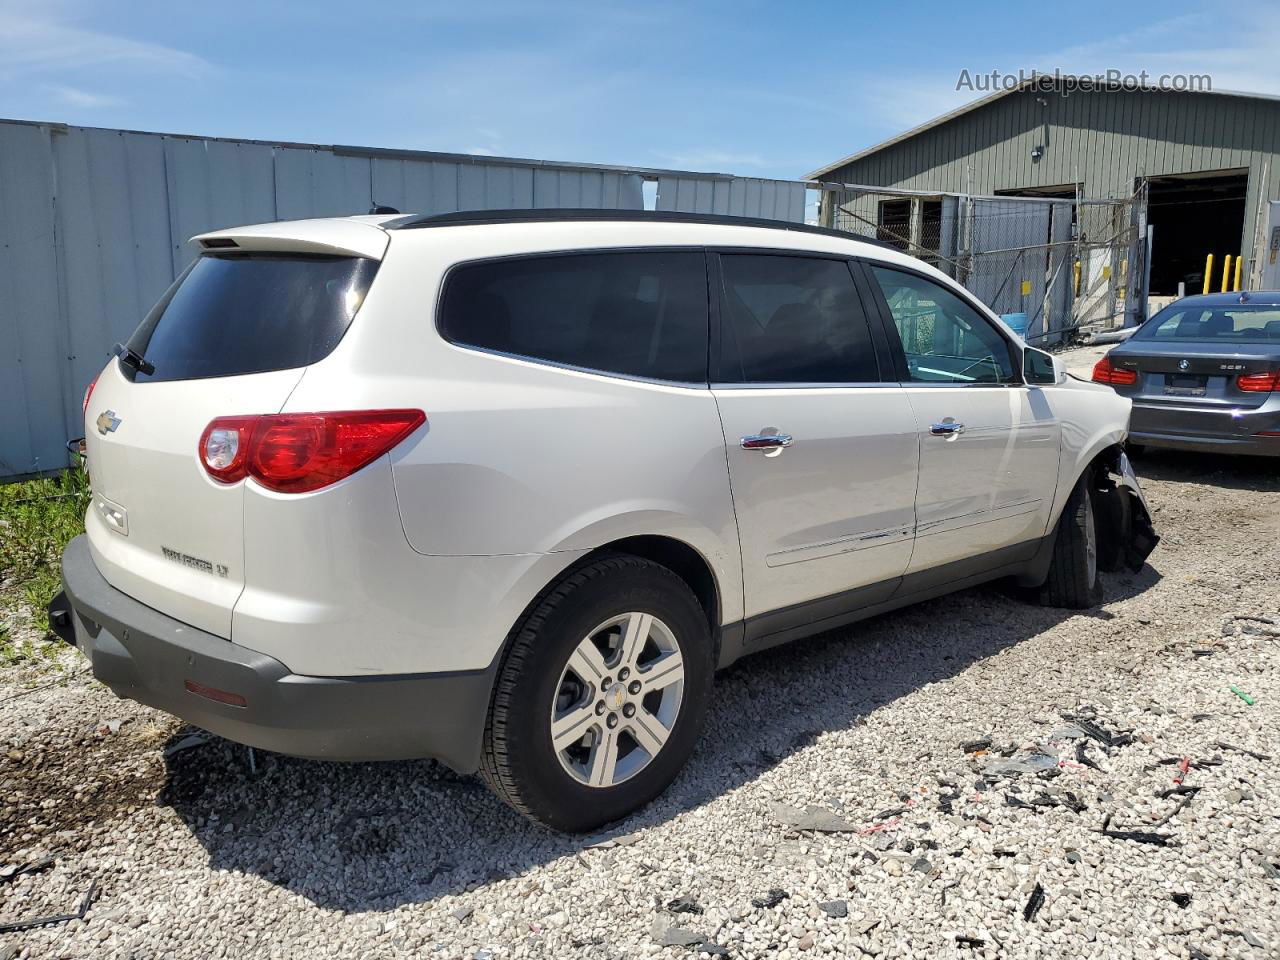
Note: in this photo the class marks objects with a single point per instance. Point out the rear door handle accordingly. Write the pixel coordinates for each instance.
(766, 441)
(946, 429)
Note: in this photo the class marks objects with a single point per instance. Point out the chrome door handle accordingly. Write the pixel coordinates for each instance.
(946, 429)
(766, 441)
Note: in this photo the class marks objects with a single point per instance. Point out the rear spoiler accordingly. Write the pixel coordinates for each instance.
(347, 238)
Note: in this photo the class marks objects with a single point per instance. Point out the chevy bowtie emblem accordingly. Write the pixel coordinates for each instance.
(1184, 364)
(107, 422)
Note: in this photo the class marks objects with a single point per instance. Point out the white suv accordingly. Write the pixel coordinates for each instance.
(506, 489)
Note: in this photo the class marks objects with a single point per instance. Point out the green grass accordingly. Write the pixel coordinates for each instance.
(37, 519)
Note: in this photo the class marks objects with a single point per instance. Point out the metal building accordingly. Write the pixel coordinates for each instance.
(1188, 174)
(94, 226)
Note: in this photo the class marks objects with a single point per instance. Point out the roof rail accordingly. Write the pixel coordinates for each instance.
(469, 218)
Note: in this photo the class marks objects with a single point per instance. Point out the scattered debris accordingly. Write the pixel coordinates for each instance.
(87, 901)
(1244, 750)
(770, 899)
(1035, 763)
(816, 819)
(1011, 801)
(973, 942)
(462, 913)
(1083, 757)
(1242, 695)
(1137, 836)
(188, 742)
(1034, 903)
(670, 935)
(1182, 899)
(1184, 765)
(684, 904)
(835, 908)
(1095, 732)
(712, 948)
(976, 746)
(12, 872)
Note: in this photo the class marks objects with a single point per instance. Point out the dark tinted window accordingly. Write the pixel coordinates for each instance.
(793, 320)
(945, 339)
(639, 314)
(1237, 323)
(251, 313)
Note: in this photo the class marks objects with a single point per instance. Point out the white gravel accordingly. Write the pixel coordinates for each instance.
(203, 854)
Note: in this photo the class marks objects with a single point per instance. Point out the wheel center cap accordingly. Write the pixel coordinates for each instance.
(615, 696)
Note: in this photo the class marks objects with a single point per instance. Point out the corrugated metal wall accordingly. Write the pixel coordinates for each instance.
(94, 226)
(1105, 140)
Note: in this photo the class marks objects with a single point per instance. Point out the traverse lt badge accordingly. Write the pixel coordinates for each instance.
(107, 422)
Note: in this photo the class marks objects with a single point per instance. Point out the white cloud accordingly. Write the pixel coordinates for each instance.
(83, 98)
(33, 43)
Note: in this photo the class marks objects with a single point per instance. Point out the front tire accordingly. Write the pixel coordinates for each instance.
(1073, 572)
(601, 695)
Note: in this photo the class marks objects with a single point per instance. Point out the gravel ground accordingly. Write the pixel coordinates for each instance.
(911, 787)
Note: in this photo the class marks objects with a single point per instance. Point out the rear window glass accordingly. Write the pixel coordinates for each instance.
(238, 314)
(637, 314)
(1230, 324)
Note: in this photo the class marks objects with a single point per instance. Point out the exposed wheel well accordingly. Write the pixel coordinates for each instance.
(681, 559)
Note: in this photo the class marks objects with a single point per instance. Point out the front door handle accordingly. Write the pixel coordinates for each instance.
(766, 441)
(948, 428)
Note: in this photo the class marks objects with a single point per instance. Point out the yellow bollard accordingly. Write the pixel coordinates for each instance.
(1076, 268)
(1239, 262)
(1208, 272)
(1226, 273)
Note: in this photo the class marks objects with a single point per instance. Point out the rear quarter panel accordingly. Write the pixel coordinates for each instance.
(519, 457)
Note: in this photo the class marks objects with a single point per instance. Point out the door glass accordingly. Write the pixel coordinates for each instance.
(637, 314)
(945, 339)
(793, 320)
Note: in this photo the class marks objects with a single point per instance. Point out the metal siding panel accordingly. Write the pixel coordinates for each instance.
(32, 387)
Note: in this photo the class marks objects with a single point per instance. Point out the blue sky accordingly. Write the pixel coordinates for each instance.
(751, 88)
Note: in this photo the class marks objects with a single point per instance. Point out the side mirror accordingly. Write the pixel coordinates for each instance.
(1040, 368)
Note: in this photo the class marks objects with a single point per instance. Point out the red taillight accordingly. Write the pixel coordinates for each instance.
(1258, 382)
(1104, 371)
(298, 452)
(88, 392)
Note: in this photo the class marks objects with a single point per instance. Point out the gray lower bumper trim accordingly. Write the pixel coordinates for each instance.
(144, 655)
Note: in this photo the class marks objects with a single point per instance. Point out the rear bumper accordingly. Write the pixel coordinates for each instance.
(1207, 430)
(144, 655)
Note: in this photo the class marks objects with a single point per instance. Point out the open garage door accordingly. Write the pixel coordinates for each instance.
(1192, 215)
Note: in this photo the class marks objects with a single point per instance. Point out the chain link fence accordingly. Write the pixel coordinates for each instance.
(1057, 268)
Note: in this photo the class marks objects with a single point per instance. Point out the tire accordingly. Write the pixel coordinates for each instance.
(1073, 572)
(541, 681)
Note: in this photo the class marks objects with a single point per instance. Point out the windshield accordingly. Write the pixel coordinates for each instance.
(250, 313)
(1233, 323)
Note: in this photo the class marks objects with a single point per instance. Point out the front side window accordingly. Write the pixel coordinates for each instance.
(945, 339)
(793, 320)
(636, 314)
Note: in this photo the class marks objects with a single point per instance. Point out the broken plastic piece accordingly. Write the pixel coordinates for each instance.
(1182, 899)
(1034, 903)
(770, 899)
(684, 904)
(1242, 695)
(973, 746)
(1183, 766)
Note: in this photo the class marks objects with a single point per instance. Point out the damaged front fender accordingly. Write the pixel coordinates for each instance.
(1125, 532)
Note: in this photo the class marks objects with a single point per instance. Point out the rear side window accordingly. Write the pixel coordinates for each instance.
(637, 314)
(793, 320)
(250, 313)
